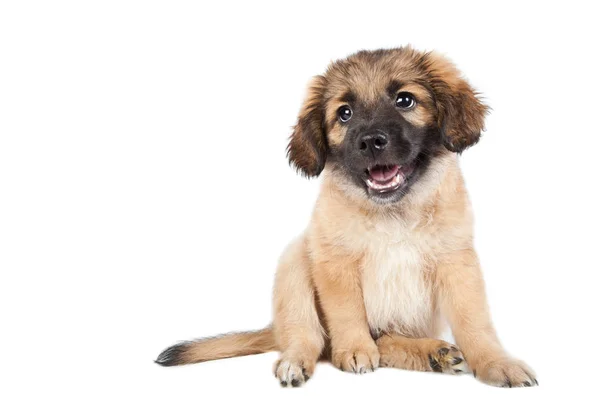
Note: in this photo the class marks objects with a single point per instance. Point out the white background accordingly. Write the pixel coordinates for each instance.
(145, 196)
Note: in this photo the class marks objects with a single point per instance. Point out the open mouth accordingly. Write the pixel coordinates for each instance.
(387, 178)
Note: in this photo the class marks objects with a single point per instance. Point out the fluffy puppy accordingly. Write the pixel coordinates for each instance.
(388, 254)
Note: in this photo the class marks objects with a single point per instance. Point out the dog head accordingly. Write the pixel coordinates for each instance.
(379, 118)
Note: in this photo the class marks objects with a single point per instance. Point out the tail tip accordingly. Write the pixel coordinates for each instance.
(172, 356)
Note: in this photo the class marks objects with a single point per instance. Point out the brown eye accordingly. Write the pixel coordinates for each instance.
(344, 113)
(405, 100)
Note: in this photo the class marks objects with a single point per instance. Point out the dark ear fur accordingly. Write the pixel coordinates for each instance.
(307, 149)
(460, 113)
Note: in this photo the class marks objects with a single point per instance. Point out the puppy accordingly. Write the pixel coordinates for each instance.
(388, 254)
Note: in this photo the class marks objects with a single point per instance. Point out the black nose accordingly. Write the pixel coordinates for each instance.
(372, 144)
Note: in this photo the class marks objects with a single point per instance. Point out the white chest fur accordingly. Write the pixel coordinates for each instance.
(397, 291)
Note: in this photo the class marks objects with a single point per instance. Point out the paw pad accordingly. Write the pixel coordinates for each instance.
(447, 359)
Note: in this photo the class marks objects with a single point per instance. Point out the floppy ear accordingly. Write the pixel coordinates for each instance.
(460, 112)
(307, 149)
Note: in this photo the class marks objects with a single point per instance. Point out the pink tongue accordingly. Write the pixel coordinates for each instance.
(383, 173)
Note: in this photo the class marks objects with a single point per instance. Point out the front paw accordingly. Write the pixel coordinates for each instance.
(294, 370)
(505, 372)
(359, 357)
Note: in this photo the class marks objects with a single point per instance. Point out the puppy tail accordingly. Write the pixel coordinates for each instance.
(214, 348)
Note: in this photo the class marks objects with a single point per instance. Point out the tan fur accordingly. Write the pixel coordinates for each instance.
(396, 271)
(370, 284)
(420, 354)
(226, 346)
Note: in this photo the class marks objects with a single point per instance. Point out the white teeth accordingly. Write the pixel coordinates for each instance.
(392, 184)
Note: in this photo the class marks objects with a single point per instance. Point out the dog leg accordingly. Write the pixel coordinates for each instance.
(463, 301)
(337, 279)
(297, 329)
(420, 354)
